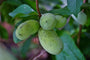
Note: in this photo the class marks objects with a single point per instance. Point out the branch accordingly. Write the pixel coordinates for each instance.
(79, 34)
(37, 6)
(39, 55)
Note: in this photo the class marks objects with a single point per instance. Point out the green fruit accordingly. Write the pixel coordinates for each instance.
(82, 18)
(5, 55)
(48, 21)
(50, 41)
(24, 30)
(61, 21)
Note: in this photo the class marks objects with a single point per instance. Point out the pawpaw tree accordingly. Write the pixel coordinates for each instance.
(45, 29)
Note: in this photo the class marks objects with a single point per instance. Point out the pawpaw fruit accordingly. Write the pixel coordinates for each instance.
(50, 41)
(48, 21)
(82, 18)
(24, 30)
(61, 21)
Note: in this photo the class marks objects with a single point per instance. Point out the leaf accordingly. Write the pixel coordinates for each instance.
(85, 43)
(86, 6)
(74, 6)
(26, 45)
(61, 11)
(87, 11)
(15, 39)
(25, 9)
(5, 54)
(32, 15)
(5, 9)
(32, 4)
(70, 51)
(14, 2)
(3, 33)
(47, 2)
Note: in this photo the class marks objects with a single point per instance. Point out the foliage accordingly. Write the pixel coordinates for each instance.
(70, 51)
(3, 32)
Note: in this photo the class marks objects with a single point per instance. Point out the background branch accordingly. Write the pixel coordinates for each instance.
(41, 53)
(79, 34)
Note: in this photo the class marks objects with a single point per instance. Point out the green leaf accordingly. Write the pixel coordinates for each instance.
(15, 39)
(14, 2)
(74, 6)
(6, 8)
(70, 51)
(86, 6)
(32, 15)
(25, 9)
(47, 2)
(87, 11)
(5, 54)
(3, 33)
(32, 4)
(26, 45)
(61, 11)
(85, 43)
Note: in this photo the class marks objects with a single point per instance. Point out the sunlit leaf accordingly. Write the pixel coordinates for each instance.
(25, 9)
(74, 6)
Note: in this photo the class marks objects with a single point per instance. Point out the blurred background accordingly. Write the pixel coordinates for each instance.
(13, 49)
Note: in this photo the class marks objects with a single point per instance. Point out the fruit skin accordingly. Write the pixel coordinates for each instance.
(24, 30)
(82, 18)
(61, 21)
(50, 41)
(48, 21)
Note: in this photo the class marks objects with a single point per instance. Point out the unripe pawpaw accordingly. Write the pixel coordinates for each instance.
(82, 18)
(61, 21)
(24, 30)
(48, 21)
(50, 41)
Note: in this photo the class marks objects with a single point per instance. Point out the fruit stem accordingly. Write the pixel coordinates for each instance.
(37, 6)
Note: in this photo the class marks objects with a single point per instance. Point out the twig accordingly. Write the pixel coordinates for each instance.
(37, 6)
(68, 19)
(41, 53)
(79, 34)
(80, 29)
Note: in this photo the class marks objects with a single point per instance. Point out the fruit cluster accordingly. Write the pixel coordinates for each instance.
(48, 38)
